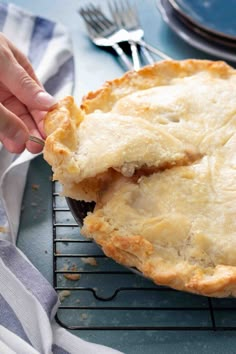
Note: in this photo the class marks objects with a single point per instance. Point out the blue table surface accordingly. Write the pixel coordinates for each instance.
(93, 67)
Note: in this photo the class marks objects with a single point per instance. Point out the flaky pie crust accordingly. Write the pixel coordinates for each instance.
(155, 149)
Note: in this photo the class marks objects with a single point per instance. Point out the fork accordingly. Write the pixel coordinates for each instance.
(103, 32)
(37, 140)
(122, 16)
(126, 16)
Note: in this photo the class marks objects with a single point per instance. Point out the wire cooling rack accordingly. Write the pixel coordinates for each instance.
(98, 294)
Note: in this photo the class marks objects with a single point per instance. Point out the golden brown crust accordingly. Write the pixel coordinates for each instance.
(62, 148)
(136, 251)
(61, 124)
(71, 155)
(160, 73)
(171, 217)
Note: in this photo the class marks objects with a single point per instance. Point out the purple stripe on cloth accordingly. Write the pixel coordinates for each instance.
(29, 276)
(9, 320)
(41, 35)
(3, 217)
(64, 75)
(58, 350)
(3, 15)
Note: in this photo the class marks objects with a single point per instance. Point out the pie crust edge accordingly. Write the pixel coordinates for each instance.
(61, 130)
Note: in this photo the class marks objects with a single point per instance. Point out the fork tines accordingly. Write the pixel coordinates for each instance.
(94, 17)
(103, 32)
(123, 26)
(125, 14)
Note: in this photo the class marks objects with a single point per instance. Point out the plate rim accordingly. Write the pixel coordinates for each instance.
(189, 36)
(221, 34)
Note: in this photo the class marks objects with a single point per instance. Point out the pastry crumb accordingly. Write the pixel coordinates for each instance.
(84, 316)
(63, 294)
(35, 187)
(71, 276)
(89, 260)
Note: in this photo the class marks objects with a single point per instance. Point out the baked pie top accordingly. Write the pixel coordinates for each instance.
(155, 149)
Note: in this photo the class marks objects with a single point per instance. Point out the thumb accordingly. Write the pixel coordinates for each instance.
(13, 133)
(25, 88)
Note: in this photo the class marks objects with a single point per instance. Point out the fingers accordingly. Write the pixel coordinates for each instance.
(39, 119)
(16, 107)
(18, 76)
(32, 146)
(24, 102)
(21, 85)
(23, 61)
(13, 132)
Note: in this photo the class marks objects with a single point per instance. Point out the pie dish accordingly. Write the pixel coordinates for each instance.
(194, 37)
(210, 16)
(155, 150)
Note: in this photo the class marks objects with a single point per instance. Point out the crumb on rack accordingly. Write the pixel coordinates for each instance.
(64, 268)
(35, 187)
(71, 276)
(84, 316)
(89, 260)
(63, 294)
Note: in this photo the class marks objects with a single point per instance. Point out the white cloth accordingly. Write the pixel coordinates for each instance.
(28, 303)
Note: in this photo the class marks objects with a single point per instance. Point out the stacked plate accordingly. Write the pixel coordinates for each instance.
(208, 25)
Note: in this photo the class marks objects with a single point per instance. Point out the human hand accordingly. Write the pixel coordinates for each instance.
(23, 100)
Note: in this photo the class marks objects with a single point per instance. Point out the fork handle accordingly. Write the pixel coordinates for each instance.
(124, 58)
(156, 51)
(146, 55)
(135, 55)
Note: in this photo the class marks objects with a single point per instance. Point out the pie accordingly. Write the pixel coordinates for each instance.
(156, 151)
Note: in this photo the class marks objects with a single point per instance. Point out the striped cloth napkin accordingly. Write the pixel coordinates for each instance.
(28, 303)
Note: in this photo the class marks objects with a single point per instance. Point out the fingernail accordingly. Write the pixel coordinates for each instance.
(45, 99)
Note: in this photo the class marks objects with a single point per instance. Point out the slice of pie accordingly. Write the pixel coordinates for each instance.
(156, 151)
